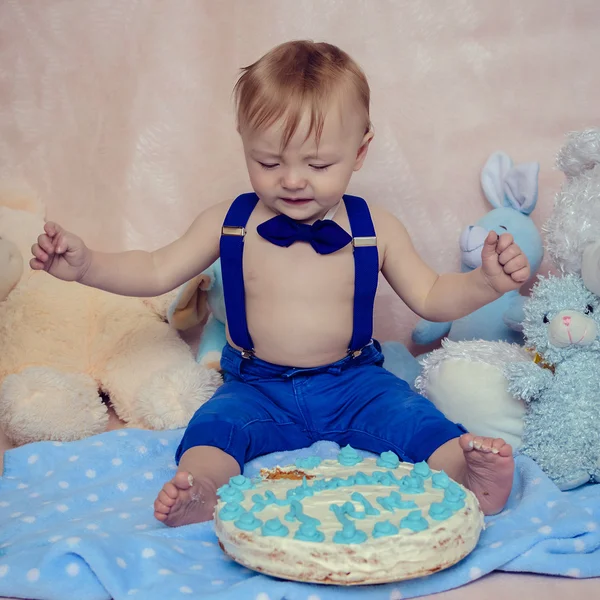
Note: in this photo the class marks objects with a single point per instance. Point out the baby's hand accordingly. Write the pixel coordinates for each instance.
(60, 253)
(503, 263)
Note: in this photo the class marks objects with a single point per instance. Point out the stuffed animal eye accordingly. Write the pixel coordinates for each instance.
(589, 309)
(546, 320)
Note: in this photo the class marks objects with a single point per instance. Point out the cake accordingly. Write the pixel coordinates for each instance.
(347, 521)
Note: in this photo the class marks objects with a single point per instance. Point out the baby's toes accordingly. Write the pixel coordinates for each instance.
(483, 444)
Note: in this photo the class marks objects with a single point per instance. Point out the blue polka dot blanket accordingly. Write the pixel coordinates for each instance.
(76, 523)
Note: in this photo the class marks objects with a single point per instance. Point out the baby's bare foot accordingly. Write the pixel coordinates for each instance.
(184, 500)
(489, 470)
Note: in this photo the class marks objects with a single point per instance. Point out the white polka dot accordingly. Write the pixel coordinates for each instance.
(123, 486)
(315, 597)
(33, 575)
(98, 444)
(551, 503)
(164, 572)
(55, 538)
(57, 443)
(591, 526)
(90, 473)
(28, 519)
(579, 545)
(49, 473)
(573, 573)
(164, 442)
(103, 535)
(528, 553)
(142, 449)
(217, 582)
(62, 508)
(536, 520)
(124, 516)
(545, 529)
(184, 589)
(73, 541)
(33, 459)
(207, 544)
(142, 526)
(5, 545)
(262, 596)
(122, 433)
(34, 495)
(536, 481)
(72, 569)
(73, 458)
(16, 515)
(92, 527)
(63, 484)
(496, 545)
(197, 567)
(22, 486)
(178, 549)
(4, 504)
(149, 475)
(3, 570)
(132, 592)
(148, 553)
(109, 509)
(92, 498)
(121, 562)
(116, 462)
(47, 502)
(475, 573)
(137, 499)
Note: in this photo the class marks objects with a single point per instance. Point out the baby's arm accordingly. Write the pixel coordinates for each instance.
(449, 296)
(133, 273)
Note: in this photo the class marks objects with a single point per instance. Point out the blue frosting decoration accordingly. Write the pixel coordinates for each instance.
(422, 470)
(297, 514)
(414, 521)
(301, 491)
(393, 501)
(412, 484)
(275, 528)
(440, 511)
(239, 482)
(440, 480)
(457, 490)
(349, 535)
(383, 478)
(348, 456)
(384, 528)
(368, 507)
(348, 509)
(388, 460)
(308, 532)
(361, 479)
(227, 493)
(248, 522)
(231, 511)
(309, 462)
(453, 498)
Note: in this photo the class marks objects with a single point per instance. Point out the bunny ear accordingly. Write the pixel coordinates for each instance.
(493, 176)
(521, 187)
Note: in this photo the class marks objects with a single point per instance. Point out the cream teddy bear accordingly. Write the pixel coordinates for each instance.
(63, 344)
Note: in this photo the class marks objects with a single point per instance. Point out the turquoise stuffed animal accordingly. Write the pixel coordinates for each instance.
(200, 302)
(512, 190)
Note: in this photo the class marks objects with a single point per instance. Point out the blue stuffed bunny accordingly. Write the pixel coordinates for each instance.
(562, 422)
(201, 302)
(512, 190)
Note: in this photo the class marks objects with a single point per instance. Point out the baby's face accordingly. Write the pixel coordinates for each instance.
(305, 181)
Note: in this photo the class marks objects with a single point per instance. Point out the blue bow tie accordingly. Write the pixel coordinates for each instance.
(325, 237)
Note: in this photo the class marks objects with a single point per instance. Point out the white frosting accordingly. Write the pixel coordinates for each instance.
(404, 555)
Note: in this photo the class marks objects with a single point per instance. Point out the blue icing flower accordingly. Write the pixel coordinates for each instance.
(384, 528)
(228, 493)
(440, 511)
(239, 482)
(394, 500)
(414, 521)
(348, 456)
(410, 484)
(453, 498)
(349, 535)
(382, 478)
(348, 509)
(457, 490)
(440, 480)
(230, 511)
(248, 522)
(361, 479)
(275, 528)
(388, 460)
(308, 532)
(422, 469)
(310, 462)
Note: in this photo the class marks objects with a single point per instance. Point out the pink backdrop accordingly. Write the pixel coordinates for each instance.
(119, 112)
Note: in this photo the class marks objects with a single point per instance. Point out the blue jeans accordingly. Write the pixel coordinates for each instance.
(263, 408)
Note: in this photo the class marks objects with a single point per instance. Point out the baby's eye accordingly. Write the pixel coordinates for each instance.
(320, 167)
(268, 165)
(589, 309)
(546, 320)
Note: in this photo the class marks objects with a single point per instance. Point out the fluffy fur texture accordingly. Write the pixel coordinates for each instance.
(63, 343)
(562, 423)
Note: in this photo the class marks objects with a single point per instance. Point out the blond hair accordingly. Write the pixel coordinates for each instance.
(296, 77)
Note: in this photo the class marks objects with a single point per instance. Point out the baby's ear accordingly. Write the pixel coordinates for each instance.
(190, 308)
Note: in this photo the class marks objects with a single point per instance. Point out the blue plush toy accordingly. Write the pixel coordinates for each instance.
(562, 423)
(512, 190)
(200, 302)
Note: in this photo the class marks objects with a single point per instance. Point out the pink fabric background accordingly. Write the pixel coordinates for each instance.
(120, 113)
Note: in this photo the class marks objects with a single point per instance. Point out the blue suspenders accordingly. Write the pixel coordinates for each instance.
(366, 265)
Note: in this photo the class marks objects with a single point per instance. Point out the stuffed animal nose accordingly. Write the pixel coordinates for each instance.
(566, 321)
